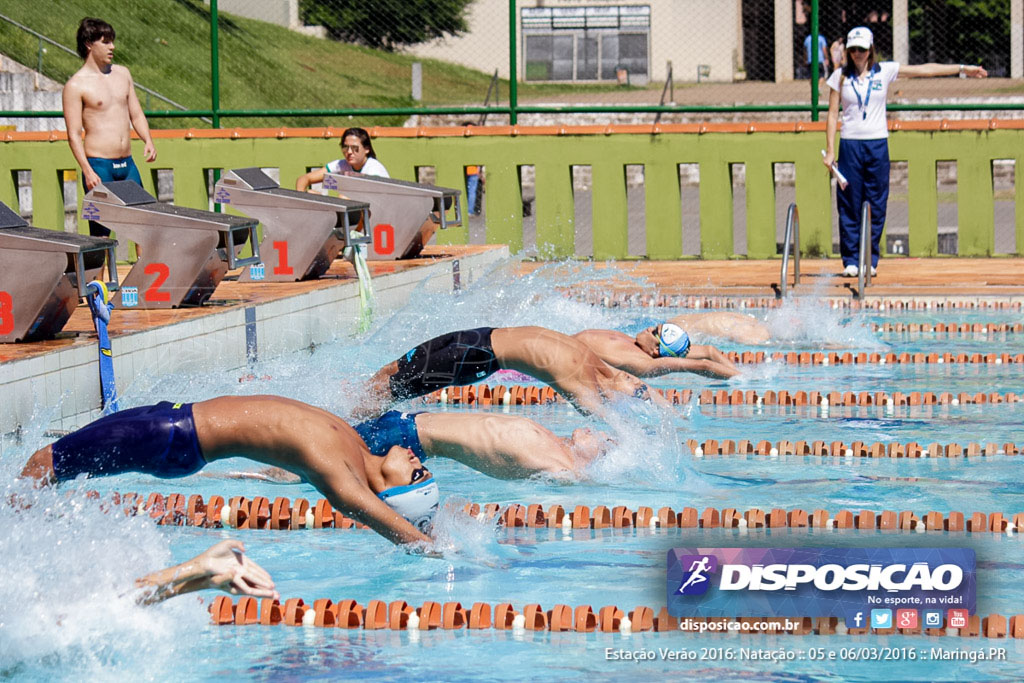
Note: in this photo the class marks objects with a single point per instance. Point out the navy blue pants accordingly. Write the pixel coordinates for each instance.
(865, 163)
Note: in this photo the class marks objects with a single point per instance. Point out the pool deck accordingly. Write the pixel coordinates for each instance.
(246, 321)
(904, 278)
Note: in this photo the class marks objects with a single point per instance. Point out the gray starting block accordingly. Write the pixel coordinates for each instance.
(185, 252)
(403, 215)
(302, 232)
(43, 274)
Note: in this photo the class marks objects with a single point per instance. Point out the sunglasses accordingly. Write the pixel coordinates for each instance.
(351, 148)
(419, 474)
(858, 49)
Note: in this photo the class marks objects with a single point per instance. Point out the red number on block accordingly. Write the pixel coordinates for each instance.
(282, 259)
(6, 313)
(162, 272)
(383, 238)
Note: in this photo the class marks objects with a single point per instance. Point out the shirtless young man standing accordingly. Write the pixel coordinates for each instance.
(100, 99)
(468, 356)
(657, 351)
(394, 495)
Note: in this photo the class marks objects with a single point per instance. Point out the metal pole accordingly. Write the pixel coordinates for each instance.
(513, 95)
(815, 58)
(864, 259)
(214, 65)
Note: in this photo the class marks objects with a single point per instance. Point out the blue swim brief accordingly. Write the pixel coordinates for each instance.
(159, 440)
(109, 170)
(393, 428)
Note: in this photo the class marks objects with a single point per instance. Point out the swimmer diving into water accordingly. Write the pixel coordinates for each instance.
(468, 356)
(657, 351)
(394, 495)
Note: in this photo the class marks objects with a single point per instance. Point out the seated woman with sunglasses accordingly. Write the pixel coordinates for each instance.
(359, 157)
(394, 495)
(861, 87)
(657, 351)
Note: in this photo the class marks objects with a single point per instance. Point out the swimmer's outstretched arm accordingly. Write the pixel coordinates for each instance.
(358, 502)
(655, 367)
(270, 475)
(224, 566)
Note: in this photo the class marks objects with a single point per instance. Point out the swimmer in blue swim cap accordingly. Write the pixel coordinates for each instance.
(658, 350)
(394, 495)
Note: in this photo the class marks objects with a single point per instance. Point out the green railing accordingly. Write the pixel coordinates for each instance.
(553, 156)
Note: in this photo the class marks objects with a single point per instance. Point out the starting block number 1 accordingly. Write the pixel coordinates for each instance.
(6, 313)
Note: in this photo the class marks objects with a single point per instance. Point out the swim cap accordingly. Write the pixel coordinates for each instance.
(673, 342)
(416, 502)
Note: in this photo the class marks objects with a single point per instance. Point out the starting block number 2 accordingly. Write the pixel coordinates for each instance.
(6, 313)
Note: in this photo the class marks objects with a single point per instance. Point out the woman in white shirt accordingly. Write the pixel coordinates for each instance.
(359, 158)
(862, 85)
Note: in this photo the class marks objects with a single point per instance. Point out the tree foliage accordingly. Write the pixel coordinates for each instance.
(387, 24)
(968, 31)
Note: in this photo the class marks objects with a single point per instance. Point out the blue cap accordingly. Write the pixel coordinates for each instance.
(673, 342)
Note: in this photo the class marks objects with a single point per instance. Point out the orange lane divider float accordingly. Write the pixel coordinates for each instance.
(858, 449)
(633, 299)
(521, 394)
(850, 398)
(949, 328)
(259, 513)
(527, 394)
(398, 615)
(834, 358)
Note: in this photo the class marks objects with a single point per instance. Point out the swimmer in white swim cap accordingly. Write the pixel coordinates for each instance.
(658, 350)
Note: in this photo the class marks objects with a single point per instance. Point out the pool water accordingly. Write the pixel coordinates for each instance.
(66, 610)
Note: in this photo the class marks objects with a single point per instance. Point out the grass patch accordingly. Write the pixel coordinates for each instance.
(166, 44)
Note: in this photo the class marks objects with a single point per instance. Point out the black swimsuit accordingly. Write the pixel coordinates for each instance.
(453, 359)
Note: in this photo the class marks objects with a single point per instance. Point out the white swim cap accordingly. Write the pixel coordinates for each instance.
(416, 502)
(673, 342)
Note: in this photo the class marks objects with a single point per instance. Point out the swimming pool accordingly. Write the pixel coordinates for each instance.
(68, 565)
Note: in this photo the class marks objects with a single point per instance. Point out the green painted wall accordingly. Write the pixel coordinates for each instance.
(607, 155)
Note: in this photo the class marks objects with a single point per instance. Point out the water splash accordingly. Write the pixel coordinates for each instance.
(67, 602)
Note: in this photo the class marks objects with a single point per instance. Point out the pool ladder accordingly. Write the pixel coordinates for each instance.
(864, 262)
(791, 242)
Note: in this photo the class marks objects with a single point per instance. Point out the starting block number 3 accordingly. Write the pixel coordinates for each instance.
(6, 313)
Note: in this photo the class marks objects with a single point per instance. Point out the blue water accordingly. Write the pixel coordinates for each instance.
(66, 609)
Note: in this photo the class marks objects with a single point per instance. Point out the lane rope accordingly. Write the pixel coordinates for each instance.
(281, 514)
(398, 615)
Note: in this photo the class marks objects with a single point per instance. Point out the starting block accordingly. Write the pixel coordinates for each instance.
(184, 252)
(403, 215)
(302, 232)
(43, 274)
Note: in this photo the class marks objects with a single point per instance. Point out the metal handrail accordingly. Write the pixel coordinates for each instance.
(493, 86)
(670, 88)
(67, 49)
(864, 262)
(791, 240)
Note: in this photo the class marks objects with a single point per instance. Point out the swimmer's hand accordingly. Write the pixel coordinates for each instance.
(224, 566)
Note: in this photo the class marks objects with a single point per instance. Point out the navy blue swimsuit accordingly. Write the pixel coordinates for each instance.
(159, 440)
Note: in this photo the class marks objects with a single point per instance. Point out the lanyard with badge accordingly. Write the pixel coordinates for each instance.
(867, 98)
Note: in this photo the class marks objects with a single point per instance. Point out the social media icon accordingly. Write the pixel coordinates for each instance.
(957, 618)
(906, 618)
(855, 620)
(932, 618)
(881, 618)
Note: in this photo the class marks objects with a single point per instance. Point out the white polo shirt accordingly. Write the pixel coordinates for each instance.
(371, 167)
(863, 101)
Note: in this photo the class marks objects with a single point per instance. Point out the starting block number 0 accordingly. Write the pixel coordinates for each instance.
(383, 238)
(6, 313)
(154, 293)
